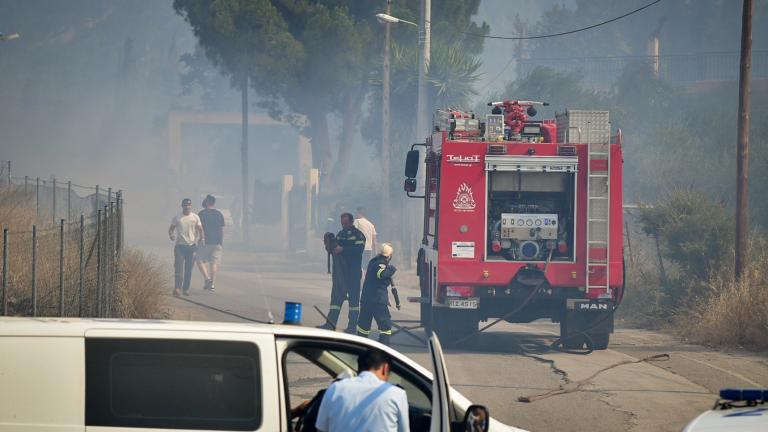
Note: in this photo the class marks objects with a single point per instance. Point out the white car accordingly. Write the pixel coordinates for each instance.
(124, 375)
(738, 410)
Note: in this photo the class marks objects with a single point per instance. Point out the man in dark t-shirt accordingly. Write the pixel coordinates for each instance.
(209, 256)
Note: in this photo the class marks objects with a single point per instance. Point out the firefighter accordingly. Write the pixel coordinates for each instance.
(347, 255)
(375, 298)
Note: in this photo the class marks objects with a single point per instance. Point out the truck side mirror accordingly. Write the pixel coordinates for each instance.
(476, 419)
(410, 185)
(412, 164)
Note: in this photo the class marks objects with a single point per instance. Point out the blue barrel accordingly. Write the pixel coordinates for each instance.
(292, 313)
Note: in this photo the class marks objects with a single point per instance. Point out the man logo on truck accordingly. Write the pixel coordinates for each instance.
(593, 306)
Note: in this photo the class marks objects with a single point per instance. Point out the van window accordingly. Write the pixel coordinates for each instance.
(173, 384)
(310, 367)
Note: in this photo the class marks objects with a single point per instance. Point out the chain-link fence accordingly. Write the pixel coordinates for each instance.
(61, 245)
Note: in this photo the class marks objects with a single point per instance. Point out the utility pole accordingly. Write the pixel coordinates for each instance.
(385, 144)
(742, 163)
(422, 116)
(245, 220)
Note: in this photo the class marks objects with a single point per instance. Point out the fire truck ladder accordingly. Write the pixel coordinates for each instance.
(598, 213)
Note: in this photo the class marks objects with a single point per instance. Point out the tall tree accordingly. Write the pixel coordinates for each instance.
(244, 38)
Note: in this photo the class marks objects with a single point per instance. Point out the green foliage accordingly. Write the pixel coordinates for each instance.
(695, 234)
(245, 37)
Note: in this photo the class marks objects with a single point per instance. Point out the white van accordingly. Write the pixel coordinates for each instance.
(126, 375)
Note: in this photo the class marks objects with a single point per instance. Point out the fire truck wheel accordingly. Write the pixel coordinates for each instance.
(452, 325)
(600, 340)
(570, 340)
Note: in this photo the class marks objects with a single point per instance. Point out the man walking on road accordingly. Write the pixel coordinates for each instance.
(209, 255)
(369, 231)
(375, 298)
(186, 230)
(347, 255)
(367, 402)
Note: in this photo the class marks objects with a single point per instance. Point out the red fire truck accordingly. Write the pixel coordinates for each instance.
(522, 221)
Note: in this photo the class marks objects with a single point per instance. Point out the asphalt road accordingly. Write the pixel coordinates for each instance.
(508, 361)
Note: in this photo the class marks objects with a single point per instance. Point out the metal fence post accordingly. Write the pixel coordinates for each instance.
(82, 265)
(37, 198)
(5, 271)
(96, 202)
(109, 195)
(108, 250)
(61, 268)
(98, 262)
(120, 222)
(112, 262)
(34, 270)
(53, 211)
(69, 200)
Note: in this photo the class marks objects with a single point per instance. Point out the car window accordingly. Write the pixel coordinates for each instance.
(311, 367)
(173, 384)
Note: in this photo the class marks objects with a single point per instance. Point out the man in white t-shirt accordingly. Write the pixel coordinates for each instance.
(366, 227)
(186, 230)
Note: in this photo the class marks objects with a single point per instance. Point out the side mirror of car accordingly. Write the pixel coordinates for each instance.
(476, 419)
(410, 185)
(412, 164)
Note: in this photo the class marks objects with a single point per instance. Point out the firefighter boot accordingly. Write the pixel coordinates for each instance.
(384, 336)
(333, 318)
(354, 313)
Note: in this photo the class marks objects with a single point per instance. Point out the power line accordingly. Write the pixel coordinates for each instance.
(563, 33)
(491, 82)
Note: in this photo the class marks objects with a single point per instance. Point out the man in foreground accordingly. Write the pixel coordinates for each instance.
(366, 402)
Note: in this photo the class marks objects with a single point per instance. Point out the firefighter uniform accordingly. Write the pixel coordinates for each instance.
(375, 299)
(346, 276)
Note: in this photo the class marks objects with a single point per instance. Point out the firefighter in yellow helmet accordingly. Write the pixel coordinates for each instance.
(374, 300)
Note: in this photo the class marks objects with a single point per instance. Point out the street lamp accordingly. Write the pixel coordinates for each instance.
(7, 37)
(385, 18)
(422, 116)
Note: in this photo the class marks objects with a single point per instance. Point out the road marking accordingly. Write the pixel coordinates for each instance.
(737, 375)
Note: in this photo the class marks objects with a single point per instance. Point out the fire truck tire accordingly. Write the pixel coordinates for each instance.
(600, 340)
(570, 340)
(452, 325)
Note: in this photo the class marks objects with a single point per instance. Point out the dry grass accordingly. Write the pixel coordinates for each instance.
(139, 281)
(734, 313)
(717, 312)
(141, 284)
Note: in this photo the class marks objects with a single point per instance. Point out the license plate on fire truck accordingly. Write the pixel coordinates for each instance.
(469, 303)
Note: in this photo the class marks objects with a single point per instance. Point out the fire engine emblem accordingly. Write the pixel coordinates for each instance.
(464, 199)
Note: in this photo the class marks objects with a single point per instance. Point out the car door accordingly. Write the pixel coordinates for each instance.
(441, 396)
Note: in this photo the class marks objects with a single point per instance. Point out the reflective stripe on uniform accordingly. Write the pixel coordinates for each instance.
(362, 242)
(378, 273)
(354, 308)
(364, 331)
(386, 332)
(333, 307)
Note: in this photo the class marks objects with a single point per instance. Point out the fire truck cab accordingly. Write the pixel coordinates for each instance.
(522, 221)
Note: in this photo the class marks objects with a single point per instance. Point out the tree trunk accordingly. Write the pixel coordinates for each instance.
(321, 147)
(352, 114)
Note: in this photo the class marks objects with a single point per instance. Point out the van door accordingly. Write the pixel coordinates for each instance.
(441, 396)
(163, 380)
